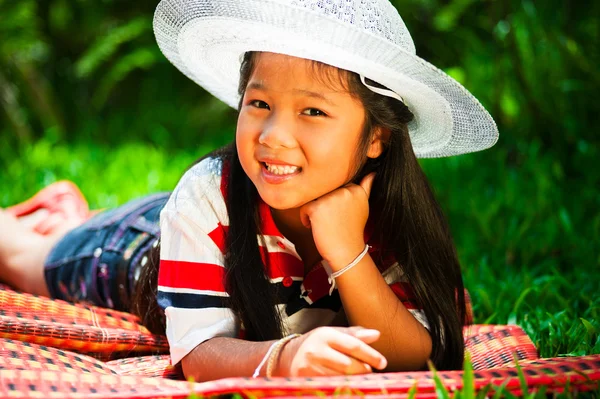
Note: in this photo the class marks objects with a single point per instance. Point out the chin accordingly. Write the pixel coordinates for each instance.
(282, 205)
(281, 202)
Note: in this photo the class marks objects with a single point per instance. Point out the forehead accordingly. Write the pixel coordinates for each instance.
(272, 69)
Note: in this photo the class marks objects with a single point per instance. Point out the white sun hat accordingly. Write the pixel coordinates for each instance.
(206, 40)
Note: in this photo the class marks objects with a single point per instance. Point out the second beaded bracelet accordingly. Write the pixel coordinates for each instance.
(343, 270)
(276, 351)
(272, 355)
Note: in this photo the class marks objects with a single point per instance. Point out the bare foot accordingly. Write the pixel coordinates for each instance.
(22, 255)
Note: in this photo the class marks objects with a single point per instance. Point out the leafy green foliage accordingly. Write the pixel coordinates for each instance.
(107, 176)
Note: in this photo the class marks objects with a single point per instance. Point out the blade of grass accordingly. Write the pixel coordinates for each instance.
(522, 380)
(412, 392)
(499, 391)
(468, 390)
(440, 389)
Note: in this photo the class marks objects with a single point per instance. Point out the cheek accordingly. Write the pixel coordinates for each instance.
(333, 154)
(244, 140)
(245, 133)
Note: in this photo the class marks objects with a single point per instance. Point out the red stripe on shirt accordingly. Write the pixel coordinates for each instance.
(281, 264)
(197, 276)
(218, 235)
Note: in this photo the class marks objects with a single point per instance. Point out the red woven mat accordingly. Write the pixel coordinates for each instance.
(147, 366)
(495, 346)
(492, 346)
(79, 327)
(55, 384)
(55, 370)
(580, 373)
(18, 355)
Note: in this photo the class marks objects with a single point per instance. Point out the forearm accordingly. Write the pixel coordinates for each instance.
(369, 302)
(223, 357)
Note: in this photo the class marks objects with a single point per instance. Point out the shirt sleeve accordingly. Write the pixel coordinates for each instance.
(396, 279)
(191, 286)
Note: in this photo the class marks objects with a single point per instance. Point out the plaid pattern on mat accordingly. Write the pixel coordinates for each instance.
(82, 328)
(580, 373)
(147, 366)
(54, 369)
(492, 346)
(18, 355)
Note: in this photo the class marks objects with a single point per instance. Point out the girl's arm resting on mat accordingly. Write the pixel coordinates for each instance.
(369, 302)
(223, 357)
(367, 299)
(322, 351)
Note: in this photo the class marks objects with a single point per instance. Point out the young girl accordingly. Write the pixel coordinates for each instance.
(313, 245)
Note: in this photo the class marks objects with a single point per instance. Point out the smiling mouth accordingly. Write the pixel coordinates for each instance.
(281, 170)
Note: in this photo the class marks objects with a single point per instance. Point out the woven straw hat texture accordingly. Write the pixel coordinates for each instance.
(206, 39)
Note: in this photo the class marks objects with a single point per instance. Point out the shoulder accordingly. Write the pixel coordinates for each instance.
(201, 178)
(199, 191)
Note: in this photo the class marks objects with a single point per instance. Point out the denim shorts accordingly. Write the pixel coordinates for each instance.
(99, 261)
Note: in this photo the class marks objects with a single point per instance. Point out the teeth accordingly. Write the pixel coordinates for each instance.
(281, 169)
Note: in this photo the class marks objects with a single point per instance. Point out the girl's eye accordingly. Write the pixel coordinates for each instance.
(314, 112)
(259, 104)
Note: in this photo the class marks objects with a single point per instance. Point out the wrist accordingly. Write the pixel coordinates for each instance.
(344, 257)
(283, 364)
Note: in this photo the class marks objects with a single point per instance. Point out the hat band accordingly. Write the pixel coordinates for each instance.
(383, 92)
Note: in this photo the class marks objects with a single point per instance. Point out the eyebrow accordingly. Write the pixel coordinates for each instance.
(308, 93)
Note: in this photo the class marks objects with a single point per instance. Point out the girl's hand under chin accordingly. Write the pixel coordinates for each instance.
(338, 222)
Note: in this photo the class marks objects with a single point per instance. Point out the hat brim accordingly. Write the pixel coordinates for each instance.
(207, 44)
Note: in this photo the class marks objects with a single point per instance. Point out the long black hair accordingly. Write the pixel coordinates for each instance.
(409, 224)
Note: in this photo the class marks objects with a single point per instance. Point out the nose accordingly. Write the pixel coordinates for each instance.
(278, 132)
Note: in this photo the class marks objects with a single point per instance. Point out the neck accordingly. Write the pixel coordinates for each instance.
(289, 224)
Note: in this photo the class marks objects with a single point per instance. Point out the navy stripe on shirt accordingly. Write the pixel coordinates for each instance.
(190, 301)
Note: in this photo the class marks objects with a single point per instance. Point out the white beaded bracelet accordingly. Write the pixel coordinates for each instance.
(273, 353)
(264, 360)
(277, 351)
(343, 270)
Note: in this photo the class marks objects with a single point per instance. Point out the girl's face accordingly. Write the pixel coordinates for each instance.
(297, 137)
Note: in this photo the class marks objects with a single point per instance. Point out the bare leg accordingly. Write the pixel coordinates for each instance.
(23, 253)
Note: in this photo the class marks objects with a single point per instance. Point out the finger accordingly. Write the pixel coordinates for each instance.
(368, 336)
(304, 215)
(367, 182)
(339, 362)
(320, 370)
(359, 350)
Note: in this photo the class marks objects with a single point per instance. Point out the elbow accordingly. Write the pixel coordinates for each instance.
(190, 373)
(413, 356)
(192, 370)
(418, 363)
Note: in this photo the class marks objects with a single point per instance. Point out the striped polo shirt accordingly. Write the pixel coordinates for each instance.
(191, 286)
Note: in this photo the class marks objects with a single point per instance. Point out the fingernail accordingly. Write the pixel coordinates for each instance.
(382, 363)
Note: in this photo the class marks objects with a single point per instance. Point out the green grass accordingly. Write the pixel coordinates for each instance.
(526, 231)
(107, 176)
